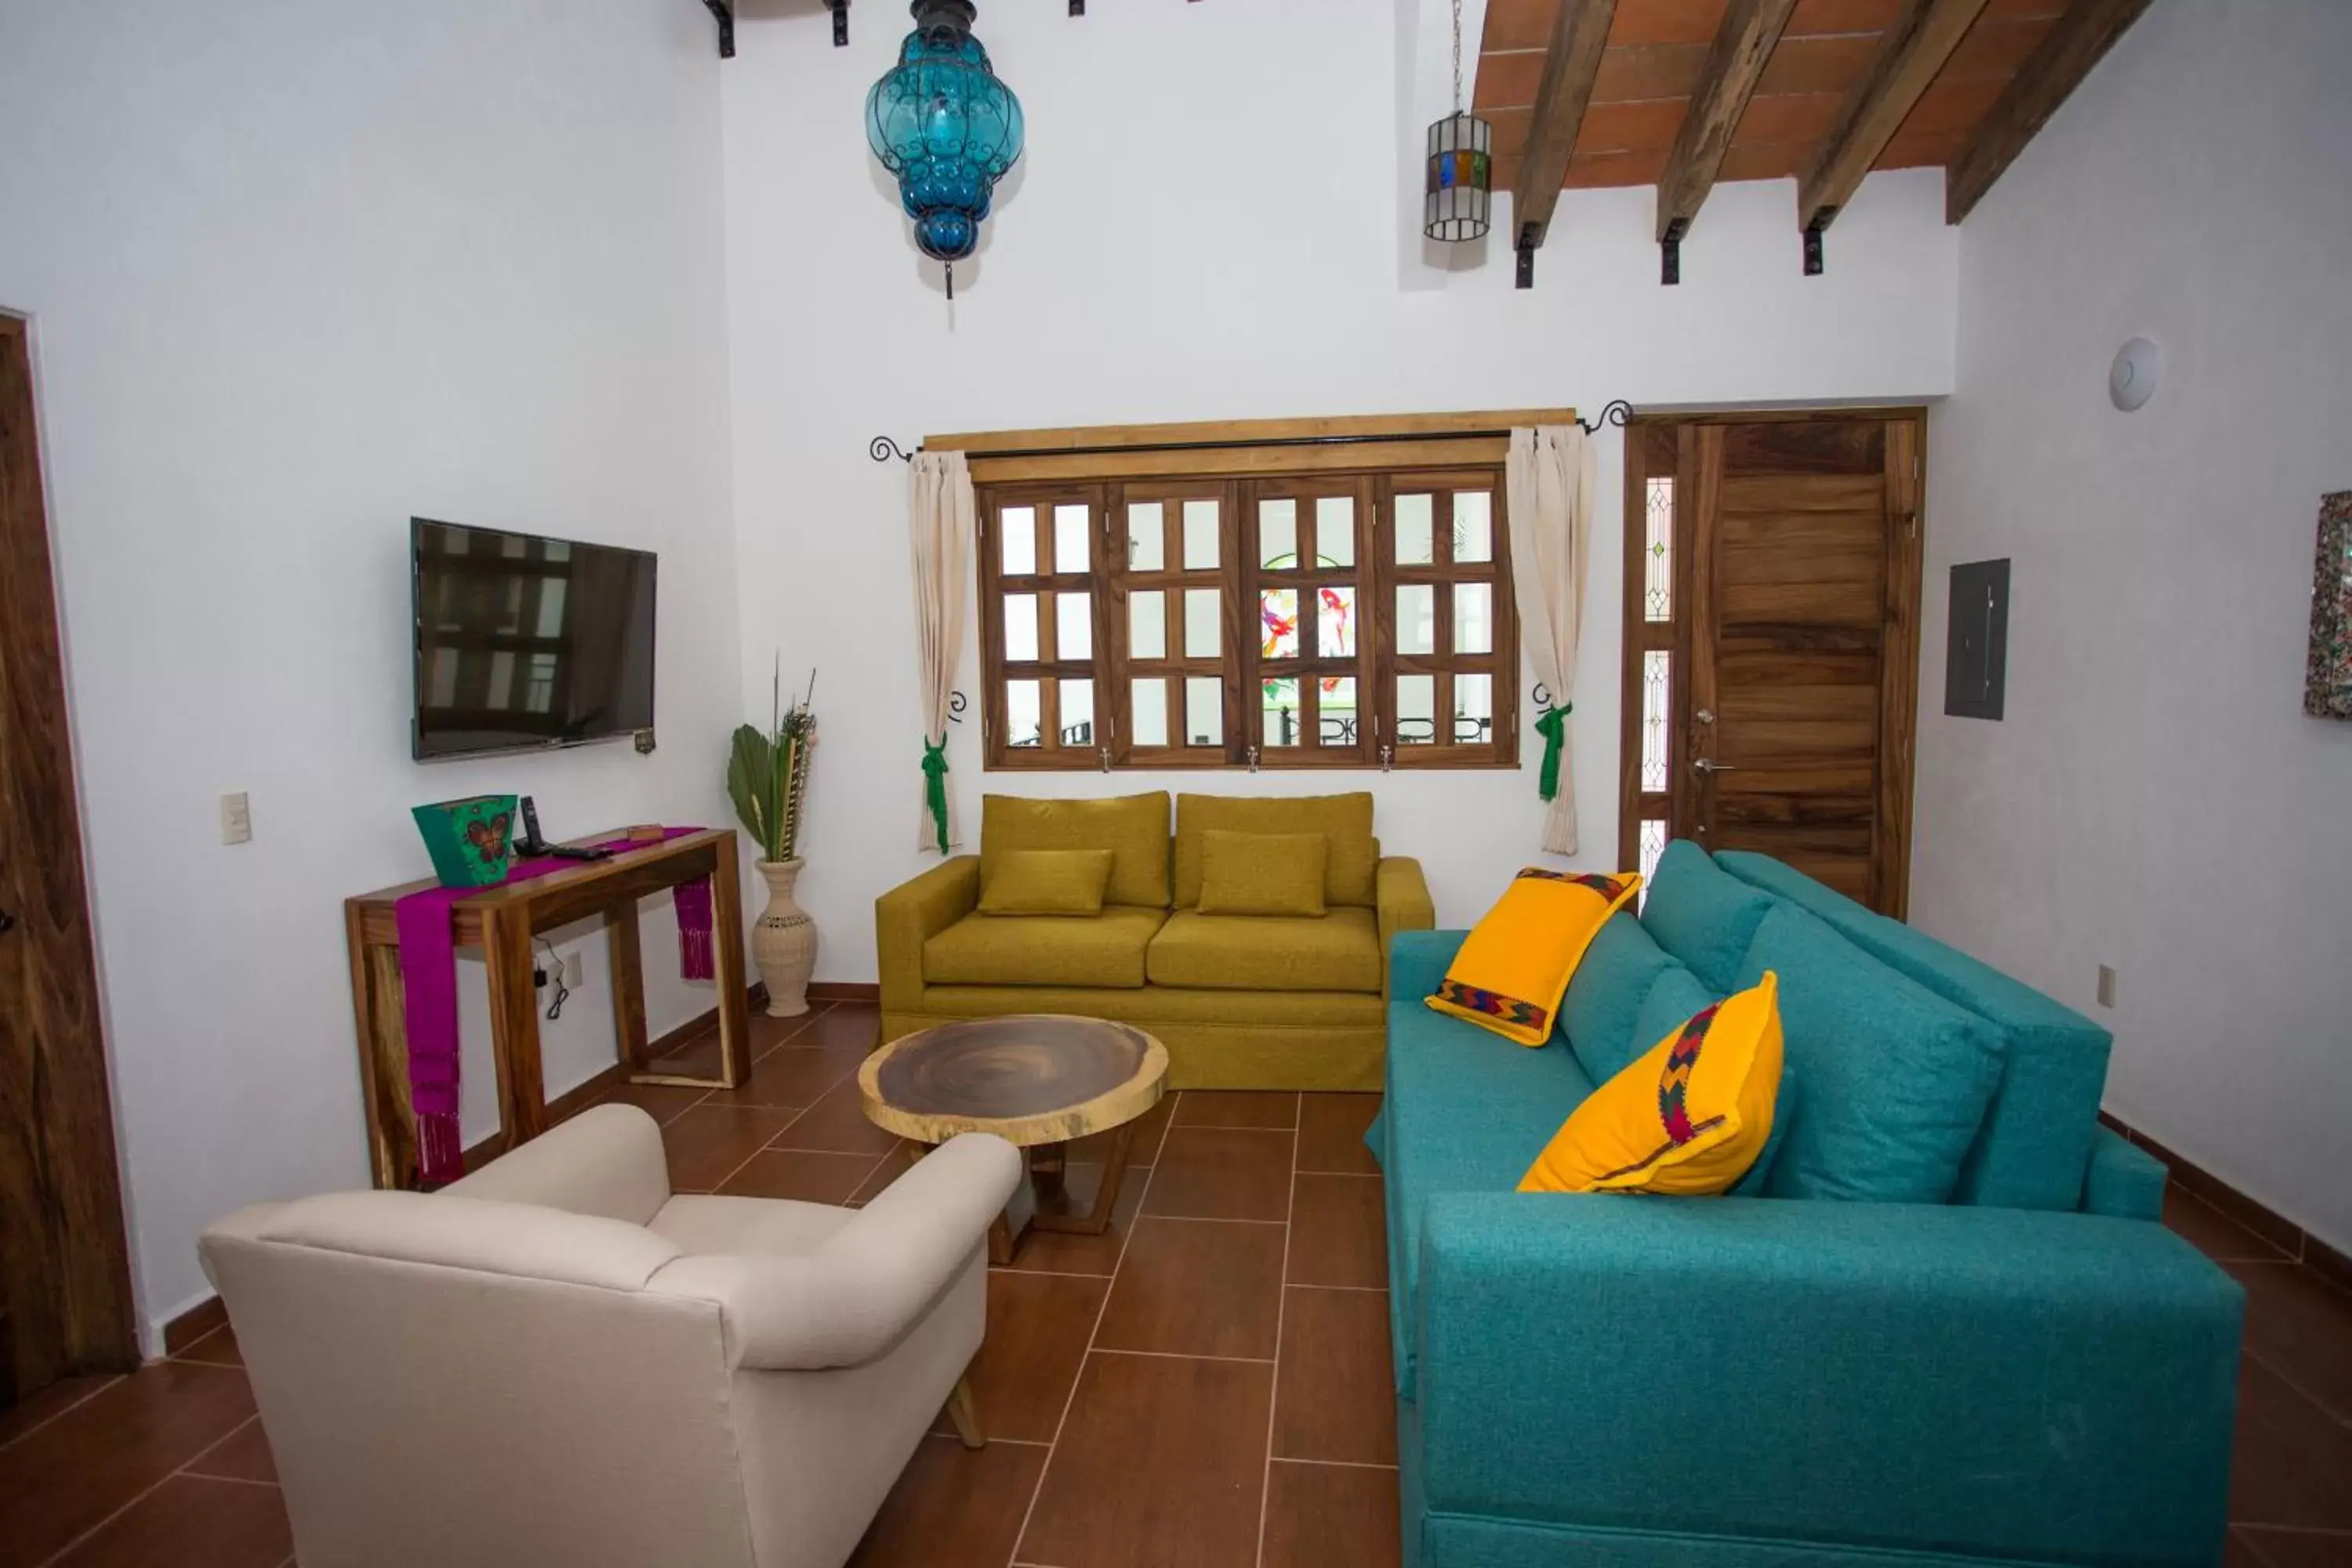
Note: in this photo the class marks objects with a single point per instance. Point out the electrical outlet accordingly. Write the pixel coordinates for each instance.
(572, 975)
(235, 819)
(538, 978)
(2106, 986)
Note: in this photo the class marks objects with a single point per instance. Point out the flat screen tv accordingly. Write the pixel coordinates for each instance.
(524, 641)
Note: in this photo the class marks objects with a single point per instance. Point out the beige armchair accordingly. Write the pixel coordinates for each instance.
(555, 1361)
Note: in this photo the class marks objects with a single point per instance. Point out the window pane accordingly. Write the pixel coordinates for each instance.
(1653, 844)
(1474, 526)
(1416, 709)
(1474, 710)
(1416, 628)
(1277, 534)
(550, 607)
(1021, 710)
(1070, 538)
(1278, 614)
(1336, 711)
(1021, 626)
(1474, 618)
(1019, 526)
(1656, 690)
(1074, 625)
(1335, 531)
(1204, 710)
(1150, 712)
(1147, 625)
(502, 673)
(1658, 552)
(1147, 535)
(1079, 713)
(1282, 716)
(1337, 636)
(1201, 622)
(1416, 541)
(1200, 536)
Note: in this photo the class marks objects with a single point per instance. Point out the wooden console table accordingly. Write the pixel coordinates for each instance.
(501, 921)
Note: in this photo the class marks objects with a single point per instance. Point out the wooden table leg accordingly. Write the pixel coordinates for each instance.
(624, 952)
(1057, 1216)
(514, 1025)
(727, 968)
(380, 1025)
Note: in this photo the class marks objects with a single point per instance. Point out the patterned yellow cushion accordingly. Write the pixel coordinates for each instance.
(1516, 963)
(1688, 1118)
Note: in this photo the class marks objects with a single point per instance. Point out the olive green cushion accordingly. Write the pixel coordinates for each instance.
(1339, 951)
(1133, 827)
(1262, 873)
(1350, 875)
(1047, 882)
(1107, 948)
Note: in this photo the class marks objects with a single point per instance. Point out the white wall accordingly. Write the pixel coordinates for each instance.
(1204, 226)
(297, 272)
(2155, 798)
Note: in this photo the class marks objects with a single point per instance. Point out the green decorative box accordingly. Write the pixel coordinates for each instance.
(471, 840)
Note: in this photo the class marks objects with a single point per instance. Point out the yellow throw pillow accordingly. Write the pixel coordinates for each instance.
(1514, 965)
(1688, 1118)
(1262, 873)
(1047, 882)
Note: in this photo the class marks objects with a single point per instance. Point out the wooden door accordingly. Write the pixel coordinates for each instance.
(65, 1284)
(1772, 643)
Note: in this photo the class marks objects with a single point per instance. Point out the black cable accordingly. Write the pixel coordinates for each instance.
(555, 978)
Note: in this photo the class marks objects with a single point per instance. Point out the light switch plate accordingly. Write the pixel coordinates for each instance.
(235, 819)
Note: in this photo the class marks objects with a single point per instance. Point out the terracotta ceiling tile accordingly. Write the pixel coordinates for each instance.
(1654, 71)
(1641, 22)
(1766, 160)
(1518, 24)
(1640, 167)
(1813, 16)
(1507, 80)
(1818, 65)
(1803, 117)
(1510, 126)
(1994, 50)
(1625, 127)
(2022, 10)
(1916, 150)
(1954, 105)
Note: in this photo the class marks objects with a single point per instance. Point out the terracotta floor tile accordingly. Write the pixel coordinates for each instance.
(2291, 1459)
(884, 1170)
(2211, 1231)
(1332, 1397)
(72, 1473)
(1160, 1465)
(768, 1033)
(1150, 1128)
(1197, 1287)
(218, 1348)
(663, 1102)
(1038, 1325)
(1236, 1108)
(1338, 1233)
(706, 1143)
(46, 1405)
(2300, 1326)
(1320, 1515)
(191, 1522)
(2287, 1549)
(843, 1025)
(243, 1455)
(795, 1076)
(1058, 1252)
(1331, 1134)
(811, 1178)
(954, 1508)
(1215, 1173)
(836, 1123)
(697, 1056)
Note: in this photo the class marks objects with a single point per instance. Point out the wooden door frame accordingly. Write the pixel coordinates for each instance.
(67, 1232)
(1898, 700)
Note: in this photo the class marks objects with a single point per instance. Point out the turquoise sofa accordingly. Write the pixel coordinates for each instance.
(2017, 1364)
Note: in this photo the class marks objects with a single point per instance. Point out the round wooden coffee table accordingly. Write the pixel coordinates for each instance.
(1038, 1081)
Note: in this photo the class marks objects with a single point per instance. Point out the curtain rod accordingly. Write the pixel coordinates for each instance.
(882, 449)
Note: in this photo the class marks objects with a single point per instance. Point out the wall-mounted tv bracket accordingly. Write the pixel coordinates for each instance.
(1813, 241)
(724, 11)
(840, 9)
(1529, 239)
(1670, 253)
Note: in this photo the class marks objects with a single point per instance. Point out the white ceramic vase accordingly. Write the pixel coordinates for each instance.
(783, 942)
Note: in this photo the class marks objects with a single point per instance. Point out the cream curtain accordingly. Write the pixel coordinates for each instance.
(1547, 485)
(940, 517)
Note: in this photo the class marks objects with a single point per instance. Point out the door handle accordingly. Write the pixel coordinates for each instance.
(1709, 765)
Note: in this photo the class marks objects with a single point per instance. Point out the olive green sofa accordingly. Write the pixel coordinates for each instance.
(1240, 1001)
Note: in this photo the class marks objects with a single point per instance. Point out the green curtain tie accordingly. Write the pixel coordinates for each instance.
(1552, 725)
(935, 785)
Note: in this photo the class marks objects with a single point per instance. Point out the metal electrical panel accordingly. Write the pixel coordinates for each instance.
(1975, 653)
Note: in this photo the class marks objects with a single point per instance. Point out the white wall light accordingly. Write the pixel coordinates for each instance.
(2131, 380)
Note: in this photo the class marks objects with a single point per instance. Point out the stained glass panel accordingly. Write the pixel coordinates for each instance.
(1280, 717)
(1336, 637)
(1653, 844)
(1658, 551)
(1656, 694)
(1278, 615)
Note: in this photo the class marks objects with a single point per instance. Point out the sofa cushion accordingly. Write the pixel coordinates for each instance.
(1133, 827)
(1891, 1080)
(2032, 1150)
(1047, 882)
(1349, 877)
(1606, 994)
(1514, 965)
(1702, 914)
(1339, 951)
(1107, 948)
(1676, 996)
(1263, 873)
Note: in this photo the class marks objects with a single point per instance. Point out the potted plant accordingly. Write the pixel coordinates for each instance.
(767, 775)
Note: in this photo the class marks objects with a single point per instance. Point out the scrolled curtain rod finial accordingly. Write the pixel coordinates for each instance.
(882, 450)
(1617, 412)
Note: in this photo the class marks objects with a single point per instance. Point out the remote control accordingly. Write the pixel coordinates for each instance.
(579, 852)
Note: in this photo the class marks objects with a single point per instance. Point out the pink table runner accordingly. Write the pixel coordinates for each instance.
(428, 982)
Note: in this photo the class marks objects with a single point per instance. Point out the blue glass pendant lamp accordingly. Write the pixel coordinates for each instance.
(943, 123)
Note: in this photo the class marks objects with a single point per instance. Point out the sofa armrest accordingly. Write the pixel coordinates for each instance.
(606, 1161)
(872, 1281)
(1418, 960)
(2000, 1382)
(2122, 1180)
(913, 913)
(1401, 895)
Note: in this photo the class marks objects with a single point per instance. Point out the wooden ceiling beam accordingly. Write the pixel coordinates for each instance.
(1743, 46)
(1913, 51)
(1572, 63)
(2080, 40)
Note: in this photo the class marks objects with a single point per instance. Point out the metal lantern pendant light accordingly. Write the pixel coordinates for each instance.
(943, 123)
(1454, 206)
